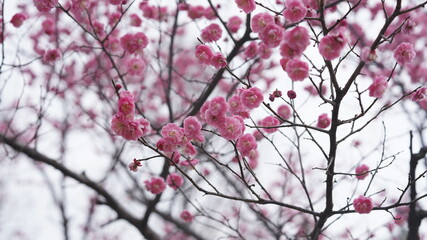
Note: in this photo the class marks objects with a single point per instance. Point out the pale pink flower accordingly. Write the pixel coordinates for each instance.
(378, 87)
(419, 95)
(211, 33)
(126, 105)
(287, 52)
(298, 38)
(362, 204)
(297, 70)
(251, 97)
(269, 122)
(323, 121)
(260, 21)
(218, 106)
(174, 181)
(127, 128)
(135, 20)
(172, 133)
(218, 61)
(51, 55)
(192, 128)
(246, 143)
(236, 107)
(195, 12)
(186, 216)
(204, 54)
(18, 19)
(246, 5)
(271, 35)
(362, 172)
(295, 10)
(232, 128)
(135, 66)
(234, 23)
(155, 185)
(330, 46)
(404, 53)
(166, 146)
(264, 51)
(284, 111)
(45, 5)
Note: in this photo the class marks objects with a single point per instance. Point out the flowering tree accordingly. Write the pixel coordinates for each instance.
(213, 119)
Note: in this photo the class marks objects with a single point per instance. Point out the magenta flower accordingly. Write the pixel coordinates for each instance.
(127, 128)
(174, 181)
(186, 216)
(45, 6)
(51, 55)
(269, 121)
(295, 10)
(234, 23)
(323, 121)
(218, 61)
(260, 21)
(271, 35)
(297, 70)
(404, 53)
(18, 19)
(251, 97)
(246, 5)
(284, 111)
(330, 46)
(135, 66)
(362, 172)
(211, 33)
(155, 185)
(232, 128)
(362, 204)
(419, 95)
(204, 54)
(246, 143)
(378, 87)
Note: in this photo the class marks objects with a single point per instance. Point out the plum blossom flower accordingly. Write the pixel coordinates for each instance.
(284, 111)
(404, 53)
(232, 128)
(246, 5)
(155, 185)
(297, 70)
(174, 181)
(362, 204)
(135, 20)
(251, 97)
(192, 129)
(211, 33)
(251, 50)
(419, 95)
(291, 94)
(18, 19)
(204, 54)
(129, 129)
(234, 23)
(186, 216)
(260, 21)
(295, 10)
(269, 122)
(362, 171)
(133, 166)
(134, 43)
(126, 105)
(45, 5)
(271, 35)
(135, 66)
(323, 121)
(378, 87)
(51, 55)
(218, 61)
(246, 143)
(330, 46)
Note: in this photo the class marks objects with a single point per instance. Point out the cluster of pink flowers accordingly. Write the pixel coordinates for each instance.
(378, 87)
(331, 45)
(294, 42)
(45, 5)
(284, 111)
(404, 53)
(247, 6)
(134, 43)
(295, 10)
(362, 204)
(123, 122)
(323, 121)
(362, 172)
(211, 33)
(18, 19)
(176, 140)
(155, 185)
(205, 55)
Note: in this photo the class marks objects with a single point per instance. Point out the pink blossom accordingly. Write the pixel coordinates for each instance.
(234, 23)
(45, 5)
(174, 181)
(133, 166)
(209, 13)
(155, 185)
(362, 172)
(127, 128)
(378, 87)
(246, 5)
(211, 33)
(260, 21)
(135, 20)
(323, 121)
(192, 128)
(134, 43)
(288, 52)
(189, 163)
(362, 204)
(144, 125)
(218, 106)
(186, 216)
(118, 2)
(204, 54)
(269, 122)
(135, 66)
(172, 133)
(251, 97)
(236, 107)
(166, 146)
(246, 143)
(419, 95)
(284, 111)
(195, 12)
(295, 10)
(218, 61)
(232, 128)
(330, 46)
(271, 35)
(264, 51)
(291, 94)
(18, 19)
(297, 70)
(51, 55)
(298, 38)
(404, 53)
(251, 50)
(126, 105)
